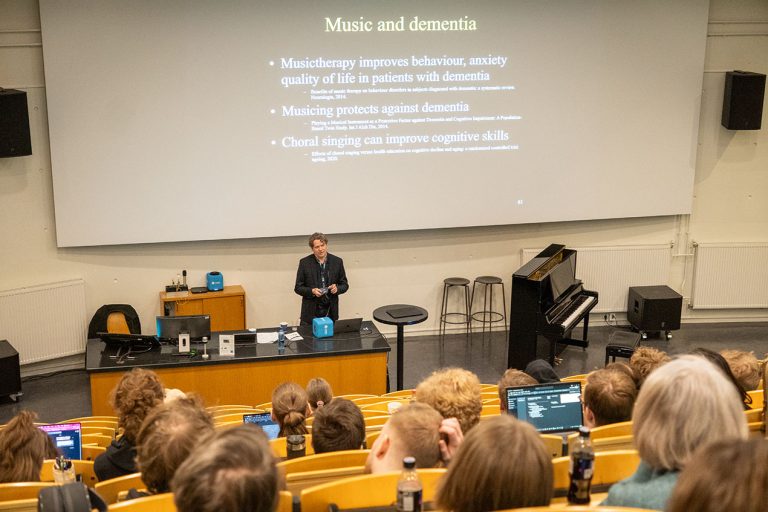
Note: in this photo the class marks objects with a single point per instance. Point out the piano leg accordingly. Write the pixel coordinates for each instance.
(584, 333)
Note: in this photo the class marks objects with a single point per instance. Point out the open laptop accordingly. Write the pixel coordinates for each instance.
(68, 438)
(551, 408)
(347, 325)
(264, 420)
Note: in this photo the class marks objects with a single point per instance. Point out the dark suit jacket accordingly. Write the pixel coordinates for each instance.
(308, 277)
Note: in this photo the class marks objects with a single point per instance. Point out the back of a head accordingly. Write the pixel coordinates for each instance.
(338, 425)
(501, 464)
(454, 393)
(726, 475)
(319, 393)
(744, 366)
(137, 393)
(23, 447)
(645, 360)
(234, 471)
(684, 405)
(289, 406)
(512, 378)
(610, 396)
(167, 436)
(415, 431)
(720, 362)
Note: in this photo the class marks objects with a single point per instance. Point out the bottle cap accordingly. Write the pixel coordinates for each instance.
(584, 431)
(409, 463)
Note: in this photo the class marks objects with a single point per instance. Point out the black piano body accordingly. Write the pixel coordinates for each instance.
(547, 302)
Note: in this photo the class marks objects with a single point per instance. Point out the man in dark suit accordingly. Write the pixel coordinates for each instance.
(320, 280)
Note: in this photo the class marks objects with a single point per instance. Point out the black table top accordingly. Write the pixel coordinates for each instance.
(101, 358)
(382, 315)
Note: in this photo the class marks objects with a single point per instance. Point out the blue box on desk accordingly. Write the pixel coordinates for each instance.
(322, 327)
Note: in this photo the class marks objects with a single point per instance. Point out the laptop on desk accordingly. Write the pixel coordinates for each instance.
(551, 408)
(67, 437)
(347, 325)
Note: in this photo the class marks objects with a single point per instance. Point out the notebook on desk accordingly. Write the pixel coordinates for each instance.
(551, 408)
(404, 312)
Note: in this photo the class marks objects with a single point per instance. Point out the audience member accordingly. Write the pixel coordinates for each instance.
(720, 362)
(512, 378)
(138, 392)
(23, 447)
(338, 426)
(234, 471)
(624, 368)
(608, 397)
(542, 371)
(726, 475)
(502, 464)
(319, 393)
(744, 366)
(645, 360)
(167, 436)
(683, 405)
(414, 430)
(454, 393)
(290, 408)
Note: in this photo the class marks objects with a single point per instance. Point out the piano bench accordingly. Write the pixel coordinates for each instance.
(621, 344)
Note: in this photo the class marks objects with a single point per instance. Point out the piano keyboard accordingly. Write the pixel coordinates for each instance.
(576, 310)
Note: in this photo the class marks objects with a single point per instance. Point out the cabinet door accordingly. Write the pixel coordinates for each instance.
(227, 313)
(189, 307)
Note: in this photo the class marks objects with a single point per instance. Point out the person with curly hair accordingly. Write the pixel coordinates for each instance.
(646, 359)
(744, 366)
(23, 447)
(138, 392)
(454, 393)
(290, 408)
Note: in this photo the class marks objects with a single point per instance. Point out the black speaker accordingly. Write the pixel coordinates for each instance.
(743, 100)
(10, 374)
(14, 124)
(654, 308)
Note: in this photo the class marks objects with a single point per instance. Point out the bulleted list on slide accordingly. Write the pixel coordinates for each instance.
(332, 109)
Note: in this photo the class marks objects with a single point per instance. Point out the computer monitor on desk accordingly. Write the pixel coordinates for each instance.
(198, 326)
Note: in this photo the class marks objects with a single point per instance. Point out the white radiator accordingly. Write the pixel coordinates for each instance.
(730, 276)
(610, 271)
(46, 321)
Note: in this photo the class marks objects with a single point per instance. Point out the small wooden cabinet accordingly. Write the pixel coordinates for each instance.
(227, 307)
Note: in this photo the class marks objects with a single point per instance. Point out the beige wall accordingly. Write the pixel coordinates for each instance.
(730, 205)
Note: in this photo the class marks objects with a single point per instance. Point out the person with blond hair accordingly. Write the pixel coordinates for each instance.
(454, 393)
(290, 408)
(136, 394)
(412, 431)
(234, 471)
(726, 475)
(166, 438)
(684, 405)
(512, 378)
(744, 366)
(646, 359)
(23, 447)
(319, 393)
(501, 464)
(608, 397)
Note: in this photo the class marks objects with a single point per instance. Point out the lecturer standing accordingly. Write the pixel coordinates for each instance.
(320, 280)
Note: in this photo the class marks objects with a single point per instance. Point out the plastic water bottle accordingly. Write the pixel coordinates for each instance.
(281, 336)
(63, 470)
(581, 468)
(409, 489)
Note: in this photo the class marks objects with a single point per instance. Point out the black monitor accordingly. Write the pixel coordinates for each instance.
(198, 326)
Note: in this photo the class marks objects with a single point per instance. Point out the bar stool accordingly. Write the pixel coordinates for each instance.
(487, 316)
(454, 317)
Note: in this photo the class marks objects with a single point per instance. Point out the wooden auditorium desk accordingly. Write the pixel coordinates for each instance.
(352, 363)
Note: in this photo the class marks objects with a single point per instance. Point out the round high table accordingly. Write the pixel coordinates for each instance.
(384, 315)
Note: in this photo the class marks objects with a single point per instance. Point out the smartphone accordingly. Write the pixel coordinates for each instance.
(264, 420)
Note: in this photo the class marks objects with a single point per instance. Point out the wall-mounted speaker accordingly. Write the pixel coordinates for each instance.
(14, 124)
(743, 100)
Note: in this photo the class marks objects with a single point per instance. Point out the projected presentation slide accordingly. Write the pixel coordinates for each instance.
(276, 118)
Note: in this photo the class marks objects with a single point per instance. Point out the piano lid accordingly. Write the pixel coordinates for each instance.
(542, 263)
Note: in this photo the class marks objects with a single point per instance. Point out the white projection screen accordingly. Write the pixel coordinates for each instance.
(198, 119)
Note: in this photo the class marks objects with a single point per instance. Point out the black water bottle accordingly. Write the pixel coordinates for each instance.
(581, 469)
(295, 446)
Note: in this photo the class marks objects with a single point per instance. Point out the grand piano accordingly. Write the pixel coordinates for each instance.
(547, 302)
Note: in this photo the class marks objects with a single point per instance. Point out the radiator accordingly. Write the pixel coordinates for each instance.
(730, 276)
(46, 321)
(610, 271)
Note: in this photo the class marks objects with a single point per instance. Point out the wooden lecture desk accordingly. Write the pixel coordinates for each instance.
(350, 362)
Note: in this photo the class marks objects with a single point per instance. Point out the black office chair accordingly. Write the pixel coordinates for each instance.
(114, 318)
